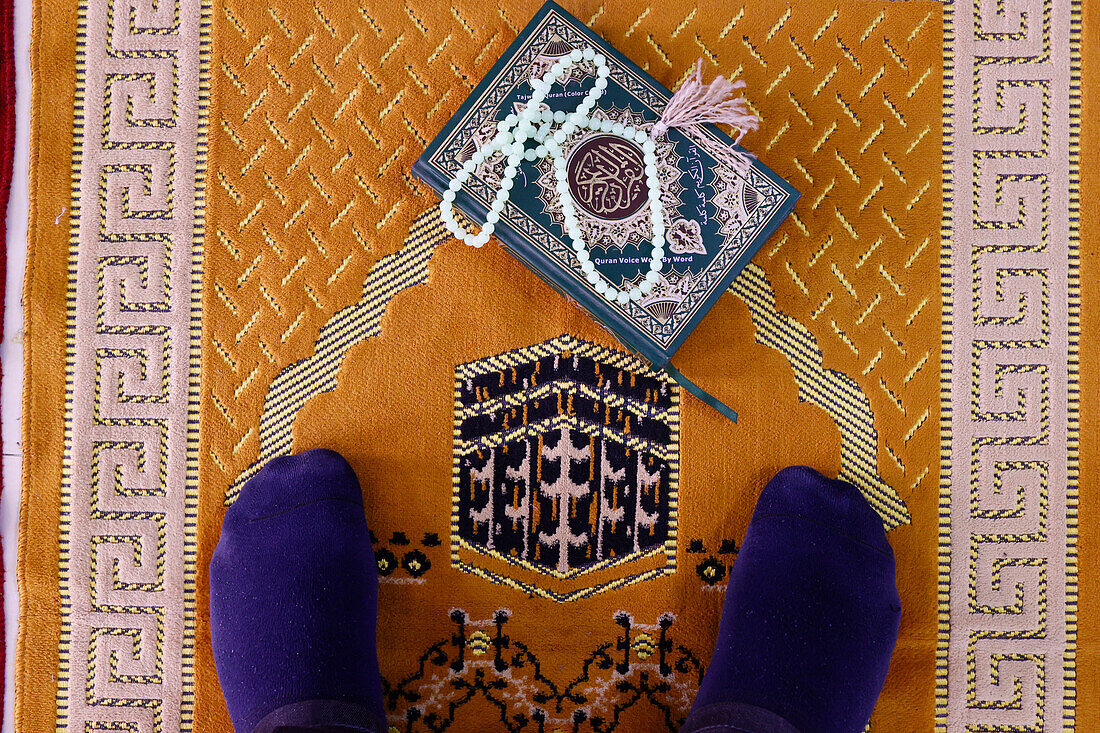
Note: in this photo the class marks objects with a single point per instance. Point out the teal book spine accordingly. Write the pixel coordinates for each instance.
(716, 215)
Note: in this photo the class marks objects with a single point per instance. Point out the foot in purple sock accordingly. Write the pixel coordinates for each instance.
(293, 600)
(811, 615)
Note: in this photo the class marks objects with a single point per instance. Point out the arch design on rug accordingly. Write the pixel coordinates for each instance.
(307, 378)
(836, 393)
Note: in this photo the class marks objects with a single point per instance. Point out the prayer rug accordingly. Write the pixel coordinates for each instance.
(230, 260)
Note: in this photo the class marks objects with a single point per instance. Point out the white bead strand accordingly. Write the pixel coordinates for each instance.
(549, 130)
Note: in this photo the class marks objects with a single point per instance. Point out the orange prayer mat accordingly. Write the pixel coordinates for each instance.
(230, 260)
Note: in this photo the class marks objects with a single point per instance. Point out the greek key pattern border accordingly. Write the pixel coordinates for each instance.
(129, 482)
(1008, 506)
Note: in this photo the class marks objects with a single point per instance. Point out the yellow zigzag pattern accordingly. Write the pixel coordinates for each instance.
(302, 380)
(830, 390)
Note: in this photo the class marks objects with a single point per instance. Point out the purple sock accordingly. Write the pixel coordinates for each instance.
(293, 600)
(810, 618)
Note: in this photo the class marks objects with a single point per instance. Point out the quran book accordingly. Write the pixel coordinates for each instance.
(717, 215)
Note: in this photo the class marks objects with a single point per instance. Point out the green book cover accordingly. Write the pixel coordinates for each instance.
(716, 217)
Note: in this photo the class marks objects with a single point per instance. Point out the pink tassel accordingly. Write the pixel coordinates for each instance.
(695, 104)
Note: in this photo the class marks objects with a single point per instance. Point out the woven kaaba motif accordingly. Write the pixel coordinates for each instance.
(566, 464)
